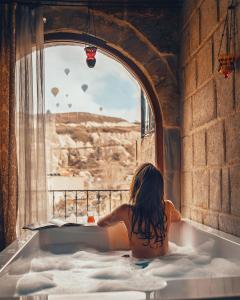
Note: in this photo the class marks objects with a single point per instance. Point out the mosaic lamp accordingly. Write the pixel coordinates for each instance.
(90, 52)
(226, 64)
(226, 58)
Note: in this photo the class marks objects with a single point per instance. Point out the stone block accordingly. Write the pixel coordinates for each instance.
(185, 46)
(187, 153)
(204, 63)
(208, 17)
(190, 77)
(200, 188)
(204, 105)
(186, 188)
(186, 117)
(170, 108)
(225, 101)
(196, 215)
(235, 189)
(194, 32)
(237, 85)
(215, 147)
(107, 29)
(210, 219)
(199, 148)
(223, 7)
(188, 7)
(185, 212)
(229, 224)
(215, 189)
(233, 138)
(225, 190)
(157, 68)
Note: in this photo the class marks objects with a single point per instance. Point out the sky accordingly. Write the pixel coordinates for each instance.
(111, 91)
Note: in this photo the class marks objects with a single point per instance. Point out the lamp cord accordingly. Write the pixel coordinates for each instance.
(229, 31)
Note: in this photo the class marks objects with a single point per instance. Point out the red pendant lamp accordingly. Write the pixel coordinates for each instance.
(90, 52)
(89, 49)
(227, 58)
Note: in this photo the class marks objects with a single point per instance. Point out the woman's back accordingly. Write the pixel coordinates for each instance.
(139, 247)
(148, 217)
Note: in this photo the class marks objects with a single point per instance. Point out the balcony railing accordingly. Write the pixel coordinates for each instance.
(77, 203)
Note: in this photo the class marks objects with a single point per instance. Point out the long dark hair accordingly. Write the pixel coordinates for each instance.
(148, 206)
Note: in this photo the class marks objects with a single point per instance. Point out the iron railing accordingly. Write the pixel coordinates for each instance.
(77, 203)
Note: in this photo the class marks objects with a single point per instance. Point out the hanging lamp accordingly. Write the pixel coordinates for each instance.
(227, 58)
(90, 52)
(89, 49)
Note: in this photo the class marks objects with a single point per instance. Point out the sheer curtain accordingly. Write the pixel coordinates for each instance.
(30, 116)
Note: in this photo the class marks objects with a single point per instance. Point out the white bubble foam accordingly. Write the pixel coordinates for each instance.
(92, 271)
(46, 264)
(113, 273)
(31, 283)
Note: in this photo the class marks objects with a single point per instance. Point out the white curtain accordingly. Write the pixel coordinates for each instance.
(30, 116)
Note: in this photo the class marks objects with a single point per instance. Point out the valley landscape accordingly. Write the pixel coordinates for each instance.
(90, 152)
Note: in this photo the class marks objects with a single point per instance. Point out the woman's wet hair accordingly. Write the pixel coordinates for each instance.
(148, 206)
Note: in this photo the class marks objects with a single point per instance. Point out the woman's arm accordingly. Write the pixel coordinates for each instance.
(117, 215)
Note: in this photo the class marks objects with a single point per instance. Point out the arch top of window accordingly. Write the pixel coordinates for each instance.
(102, 49)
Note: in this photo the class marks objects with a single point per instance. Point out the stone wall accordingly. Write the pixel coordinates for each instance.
(210, 120)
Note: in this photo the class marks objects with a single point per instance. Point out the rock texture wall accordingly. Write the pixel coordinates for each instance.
(94, 151)
(210, 120)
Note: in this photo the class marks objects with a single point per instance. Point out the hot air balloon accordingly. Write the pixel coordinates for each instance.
(57, 104)
(70, 105)
(100, 108)
(67, 71)
(84, 87)
(55, 91)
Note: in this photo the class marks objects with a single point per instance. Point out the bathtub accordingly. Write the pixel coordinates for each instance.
(185, 232)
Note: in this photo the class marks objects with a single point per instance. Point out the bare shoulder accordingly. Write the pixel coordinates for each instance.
(169, 204)
(171, 209)
(124, 208)
(123, 212)
(118, 214)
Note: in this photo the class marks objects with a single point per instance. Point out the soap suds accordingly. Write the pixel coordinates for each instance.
(90, 271)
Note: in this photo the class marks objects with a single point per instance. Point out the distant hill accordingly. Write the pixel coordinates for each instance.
(81, 117)
(99, 149)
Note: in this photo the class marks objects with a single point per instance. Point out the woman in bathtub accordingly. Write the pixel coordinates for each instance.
(149, 216)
